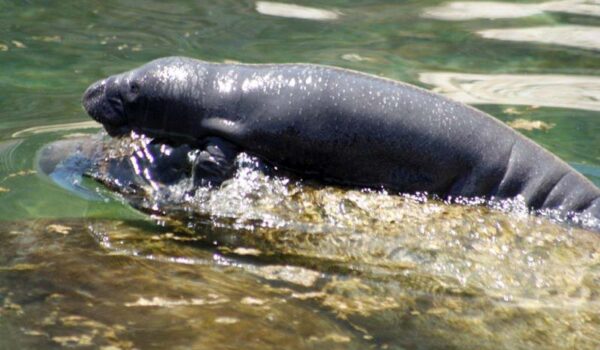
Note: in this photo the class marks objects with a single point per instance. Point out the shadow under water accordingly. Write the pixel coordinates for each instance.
(313, 266)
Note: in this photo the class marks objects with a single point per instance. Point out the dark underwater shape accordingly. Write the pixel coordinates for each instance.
(66, 161)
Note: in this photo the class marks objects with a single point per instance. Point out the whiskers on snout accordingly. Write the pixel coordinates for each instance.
(104, 104)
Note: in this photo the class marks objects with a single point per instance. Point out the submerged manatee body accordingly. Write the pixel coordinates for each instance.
(338, 126)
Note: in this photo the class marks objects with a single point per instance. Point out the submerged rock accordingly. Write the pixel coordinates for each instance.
(398, 270)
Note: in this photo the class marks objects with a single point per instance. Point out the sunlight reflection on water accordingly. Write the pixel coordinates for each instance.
(460, 11)
(295, 11)
(584, 37)
(567, 91)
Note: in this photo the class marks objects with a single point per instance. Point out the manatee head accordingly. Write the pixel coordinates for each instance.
(160, 98)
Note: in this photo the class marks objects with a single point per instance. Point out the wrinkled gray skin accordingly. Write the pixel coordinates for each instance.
(339, 126)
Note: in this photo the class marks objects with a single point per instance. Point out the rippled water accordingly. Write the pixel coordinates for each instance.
(282, 264)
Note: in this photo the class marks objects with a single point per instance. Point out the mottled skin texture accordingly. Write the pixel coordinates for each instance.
(341, 127)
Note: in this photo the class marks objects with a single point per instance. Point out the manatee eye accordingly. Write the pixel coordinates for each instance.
(134, 88)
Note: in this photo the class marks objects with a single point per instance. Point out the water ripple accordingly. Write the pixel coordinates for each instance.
(56, 127)
(7, 157)
(567, 91)
(583, 37)
(460, 11)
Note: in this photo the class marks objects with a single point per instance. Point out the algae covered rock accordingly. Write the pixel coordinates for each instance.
(398, 270)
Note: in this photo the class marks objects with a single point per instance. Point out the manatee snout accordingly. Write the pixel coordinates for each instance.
(102, 102)
(93, 99)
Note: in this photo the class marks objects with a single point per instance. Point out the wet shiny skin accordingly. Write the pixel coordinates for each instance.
(343, 127)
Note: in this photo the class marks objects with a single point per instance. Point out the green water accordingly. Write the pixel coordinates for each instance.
(115, 278)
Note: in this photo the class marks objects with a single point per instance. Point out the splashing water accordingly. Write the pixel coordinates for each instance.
(374, 259)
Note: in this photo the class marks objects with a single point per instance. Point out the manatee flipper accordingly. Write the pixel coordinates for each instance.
(214, 163)
(165, 164)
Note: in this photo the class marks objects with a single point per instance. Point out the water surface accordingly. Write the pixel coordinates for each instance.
(340, 269)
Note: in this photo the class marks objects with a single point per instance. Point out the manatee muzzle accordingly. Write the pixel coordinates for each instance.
(106, 107)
